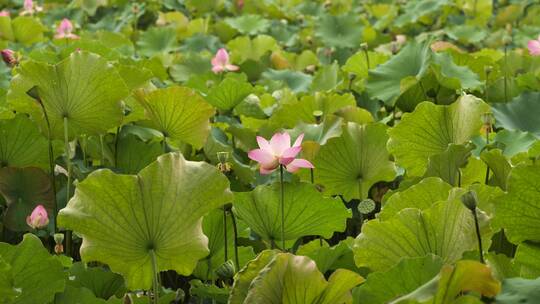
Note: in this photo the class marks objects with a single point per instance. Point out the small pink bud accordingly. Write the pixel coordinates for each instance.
(221, 62)
(65, 29)
(4, 13)
(9, 57)
(38, 218)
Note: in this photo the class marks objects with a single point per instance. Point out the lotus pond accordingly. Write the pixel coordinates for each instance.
(269, 151)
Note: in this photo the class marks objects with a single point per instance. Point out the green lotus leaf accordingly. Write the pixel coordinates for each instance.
(447, 164)
(78, 295)
(83, 88)
(350, 164)
(452, 281)
(419, 11)
(445, 229)
(6, 31)
(177, 112)
(209, 291)
(388, 80)
(101, 282)
(157, 40)
(528, 258)
(229, 93)
(327, 78)
(515, 141)
(218, 142)
(296, 81)
(420, 196)
(502, 266)
(213, 229)
(243, 48)
(24, 189)
(452, 75)
(343, 31)
(134, 154)
(519, 210)
(35, 273)
(249, 24)
(125, 219)
(431, 128)
(294, 111)
(27, 30)
(307, 212)
(519, 290)
(405, 277)
(21, 144)
(498, 165)
(318, 133)
(329, 258)
(7, 289)
(520, 114)
(289, 279)
(357, 64)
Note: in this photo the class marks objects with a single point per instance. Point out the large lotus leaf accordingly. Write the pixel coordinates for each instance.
(179, 113)
(327, 78)
(419, 10)
(344, 31)
(27, 30)
(405, 277)
(528, 258)
(7, 289)
(420, 196)
(248, 24)
(78, 295)
(21, 144)
(447, 164)
(134, 154)
(498, 165)
(229, 93)
(243, 48)
(452, 281)
(101, 282)
(388, 80)
(519, 291)
(243, 278)
(452, 75)
(514, 142)
(35, 273)
(294, 111)
(307, 211)
(519, 210)
(290, 279)
(431, 128)
(83, 88)
(24, 189)
(296, 81)
(350, 164)
(125, 219)
(329, 258)
(445, 229)
(157, 40)
(213, 229)
(520, 114)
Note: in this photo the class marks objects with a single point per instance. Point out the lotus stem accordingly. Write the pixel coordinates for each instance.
(282, 205)
(225, 233)
(102, 145)
(116, 140)
(478, 236)
(312, 175)
(155, 281)
(68, 184)
(51, 163)
(235, 231)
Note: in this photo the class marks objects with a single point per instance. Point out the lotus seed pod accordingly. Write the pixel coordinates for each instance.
(366, 206)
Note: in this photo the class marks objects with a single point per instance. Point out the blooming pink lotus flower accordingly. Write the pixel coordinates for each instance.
(38, 218)
(29, 8)
(221, 63)
(64, 29)
(4, 13)
(534, 47)
(279, 152)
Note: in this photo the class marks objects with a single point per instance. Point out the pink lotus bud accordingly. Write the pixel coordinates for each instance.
(28, 5)
(65, 29)
(534, 47)
(38, 218)
(9, 57)
(221, 62)
(4, 13)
